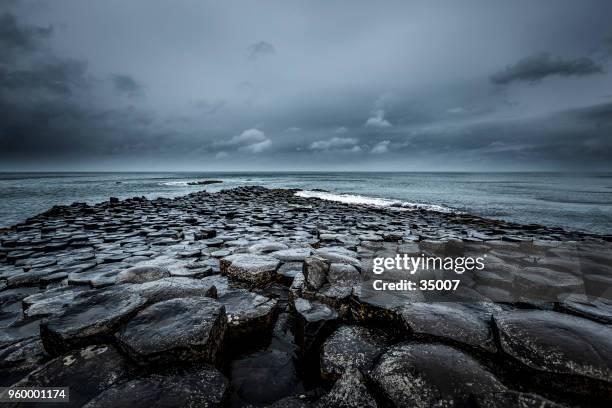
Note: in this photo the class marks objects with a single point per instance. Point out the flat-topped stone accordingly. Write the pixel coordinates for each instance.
(91, 318)
(465, 323)
(427, 375)
(201, 388)
(142, 274)
(248, 314)
(186, 329)
(255, 269)
(557, 343)
(351, 346)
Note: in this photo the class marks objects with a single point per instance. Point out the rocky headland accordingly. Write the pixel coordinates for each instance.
(257, 297)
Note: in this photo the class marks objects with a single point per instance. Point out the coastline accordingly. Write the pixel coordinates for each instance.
(289, 273)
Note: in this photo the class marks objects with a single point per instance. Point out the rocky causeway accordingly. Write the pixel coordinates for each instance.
(258, 297)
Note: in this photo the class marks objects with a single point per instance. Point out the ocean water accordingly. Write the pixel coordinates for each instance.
(580, 202)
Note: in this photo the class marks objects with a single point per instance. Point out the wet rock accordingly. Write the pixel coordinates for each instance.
(427, 375)
(248, 314)
(288, 270)
(557, 343)
(351, 346)
(338, 255)
(202, 388)
(51, 302)
(598, 309)
(267, 247)
(188, 329)
(91, 318)
(348, 392)
(292, 255)
(315, 321)
(87, 372)
(175, 287)
(545, 284)
(19, 359)
(19, 331)
(142, 274)
(465, 323)
(339, 272)
(16, 294)
(315, 272)
(513, 399)
(255, 269)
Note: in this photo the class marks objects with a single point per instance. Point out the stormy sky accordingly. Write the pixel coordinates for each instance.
(306, 85)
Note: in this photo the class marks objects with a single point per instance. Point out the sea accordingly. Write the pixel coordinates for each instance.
(573, 201)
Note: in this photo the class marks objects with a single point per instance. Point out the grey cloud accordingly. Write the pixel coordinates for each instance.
(347, 144)
(16, 37)
(539, 66)
(59, 77)
(260, 49)
(381, 147)
(377, 120)
(365, 94)
(251, 140)
(126, 84)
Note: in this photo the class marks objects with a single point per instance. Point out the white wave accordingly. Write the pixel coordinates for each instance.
(372, 201)
(183, 183)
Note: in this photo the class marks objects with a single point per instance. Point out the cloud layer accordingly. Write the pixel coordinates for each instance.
(238, 86)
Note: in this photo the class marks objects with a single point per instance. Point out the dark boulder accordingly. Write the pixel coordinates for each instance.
(187, 329)
(427, 375)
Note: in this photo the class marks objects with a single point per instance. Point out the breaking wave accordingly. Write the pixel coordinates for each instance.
(373, 201)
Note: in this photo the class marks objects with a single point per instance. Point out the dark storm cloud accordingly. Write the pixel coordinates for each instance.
(59, 77)
(260, 49)
(539, 66)
(353, 89)
(16, 37)
(126, 84)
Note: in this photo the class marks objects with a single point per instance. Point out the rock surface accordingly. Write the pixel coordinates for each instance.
(91, 318)
(188, 329)
(77, 272)
(426, 375)
(557, 343)
(351, 346)
(256, 269)
(202, 388)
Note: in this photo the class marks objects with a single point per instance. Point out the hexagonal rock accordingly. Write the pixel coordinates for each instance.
(19, 359)
(513, 399)
(142, 274)
(351, 346)
(175, 287)
(315, 321)
(348, 392)
(466, 323)
(427, 375)
(87, 372)
(92, 317)
(248, 313)
(557, 343)
(598, 309)
(187, 329)
(203, 388)
(545, 284)
(292, 254)
(338, 255)
(51, 302)
(255, 269)
(267, 247)
(315, 271)
(340, 272)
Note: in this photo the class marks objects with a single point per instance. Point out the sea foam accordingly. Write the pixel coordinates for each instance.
(373, 201)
